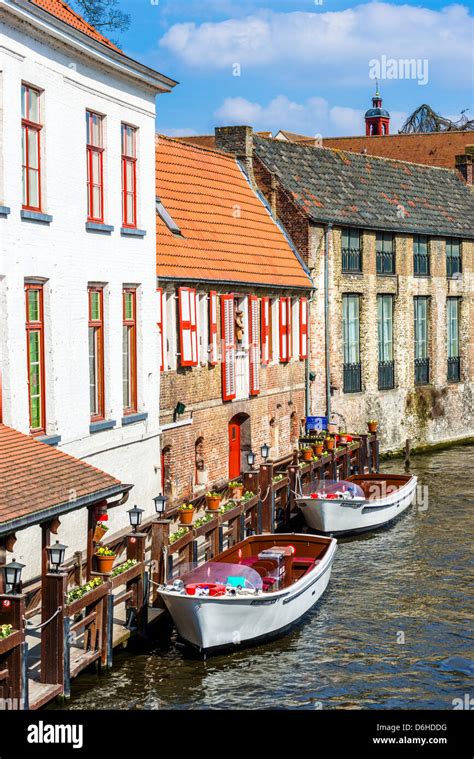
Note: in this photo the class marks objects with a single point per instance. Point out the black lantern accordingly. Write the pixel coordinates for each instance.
(12, 573)
(56, 555)
(160, 503)
(251, 459)
(135, 515)
(265, 451)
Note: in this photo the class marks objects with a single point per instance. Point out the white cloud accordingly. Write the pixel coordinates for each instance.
(314, 116)
(328, 40)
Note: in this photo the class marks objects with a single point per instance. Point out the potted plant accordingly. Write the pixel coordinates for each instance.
(318, 448)
(213, 501)
(343, 437)
(100, 531)
(307, 452)
(237, 490)
(372, 424)
(105, 558)
(330, 443)
(186, 513)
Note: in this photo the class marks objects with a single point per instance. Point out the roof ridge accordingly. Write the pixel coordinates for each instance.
(303, 146)
(182, 141)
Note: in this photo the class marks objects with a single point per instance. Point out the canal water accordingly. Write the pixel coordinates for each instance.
(393, 630)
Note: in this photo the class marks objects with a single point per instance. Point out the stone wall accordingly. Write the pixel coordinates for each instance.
(439, 411)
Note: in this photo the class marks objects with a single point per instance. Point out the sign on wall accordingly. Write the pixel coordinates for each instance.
(316, 423)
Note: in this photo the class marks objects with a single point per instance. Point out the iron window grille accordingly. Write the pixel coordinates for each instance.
(351, 251)
(453, 257)
(386, 375)
(422, 371)
(421, 257)
(454, 369)
(385, 252)
(352, 378)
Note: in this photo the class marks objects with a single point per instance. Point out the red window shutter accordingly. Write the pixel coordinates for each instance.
(228, 345)
(303, 328)
(289, 330)
(265, 330)
(187, 326)
(213, 353)
(160, 328)
(285, 330)
(254, 346)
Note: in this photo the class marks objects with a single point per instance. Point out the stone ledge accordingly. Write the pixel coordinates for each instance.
(50, 439)
(134, 419)
(132, 232)
(4, 210)
(92, 226)
(107, 424)
(42, 218)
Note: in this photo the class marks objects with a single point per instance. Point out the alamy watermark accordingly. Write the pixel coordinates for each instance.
(400, 68)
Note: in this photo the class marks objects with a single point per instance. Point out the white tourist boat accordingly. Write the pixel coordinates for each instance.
(254, 591)
(362, 502)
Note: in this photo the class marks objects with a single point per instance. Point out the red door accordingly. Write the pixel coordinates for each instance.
(234, 450)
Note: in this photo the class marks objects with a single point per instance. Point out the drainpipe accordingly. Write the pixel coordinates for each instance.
(328, 232)
(307, 362)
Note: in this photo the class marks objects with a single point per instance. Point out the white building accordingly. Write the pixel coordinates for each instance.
(79, 352)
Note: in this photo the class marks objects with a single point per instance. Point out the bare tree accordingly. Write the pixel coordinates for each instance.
(104, 15)
(424, 119)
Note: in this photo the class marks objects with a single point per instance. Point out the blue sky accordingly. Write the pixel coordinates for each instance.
(302, 65)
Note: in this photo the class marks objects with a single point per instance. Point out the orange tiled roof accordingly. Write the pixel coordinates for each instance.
(228, 234)
(431, 149)
(62, 11)
(35, 476)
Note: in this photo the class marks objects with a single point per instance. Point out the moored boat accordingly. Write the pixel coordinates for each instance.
(254, 591)
(362, 502)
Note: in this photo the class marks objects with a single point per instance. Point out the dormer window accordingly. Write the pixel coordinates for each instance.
(167, 218)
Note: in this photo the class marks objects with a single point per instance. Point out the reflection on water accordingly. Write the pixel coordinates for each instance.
(394, 629)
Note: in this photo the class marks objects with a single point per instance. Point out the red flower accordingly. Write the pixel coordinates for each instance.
(103, 518)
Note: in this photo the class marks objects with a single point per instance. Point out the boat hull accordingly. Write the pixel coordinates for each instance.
(342, 517)
(211, 624)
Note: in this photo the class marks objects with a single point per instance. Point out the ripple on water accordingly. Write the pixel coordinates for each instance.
(394, 629)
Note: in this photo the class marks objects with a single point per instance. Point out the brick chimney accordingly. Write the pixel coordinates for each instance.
(464, 164)
(239, 141)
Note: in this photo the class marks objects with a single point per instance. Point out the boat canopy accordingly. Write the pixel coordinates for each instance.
(334, 489)
(235, 575)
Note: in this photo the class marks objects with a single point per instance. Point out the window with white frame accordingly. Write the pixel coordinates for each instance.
(203, 328)
(169, 331)
(295, 325)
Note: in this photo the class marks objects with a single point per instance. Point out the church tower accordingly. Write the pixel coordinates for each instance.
(377, 119)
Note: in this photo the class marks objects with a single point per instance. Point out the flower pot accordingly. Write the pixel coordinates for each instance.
(343, 439)
(318, 449)
(104, 563)
(332, 429)
(213, 502)
(186, 517)
(372, 427)
(330, 444)
(99, 533)
(308, 455)
(237, 493)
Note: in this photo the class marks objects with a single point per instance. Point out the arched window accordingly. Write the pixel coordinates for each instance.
(166, 475)
(200, 474)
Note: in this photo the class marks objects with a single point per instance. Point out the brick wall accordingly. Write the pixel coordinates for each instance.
(272, 417)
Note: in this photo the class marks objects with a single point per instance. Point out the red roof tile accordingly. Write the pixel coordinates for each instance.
(35, 476)
(228, 233)
(62, 11)
(431, 149)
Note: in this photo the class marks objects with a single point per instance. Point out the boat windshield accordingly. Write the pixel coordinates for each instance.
(235, 575)
(333, 489)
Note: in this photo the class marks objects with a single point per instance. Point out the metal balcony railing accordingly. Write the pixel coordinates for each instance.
(385, 262)
(454, 369)
(422, 371)
(386, 375)
(352, 378)
(351, 260)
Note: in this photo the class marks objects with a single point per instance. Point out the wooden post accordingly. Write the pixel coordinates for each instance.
(160, 533)
(136, 544)
(267, 497)
(12, 608)
(91, 512)
(407, 454)
(374, 448)
(52, 635)
(3, 560)
(365, 458)
(251, 481)
(292, 471)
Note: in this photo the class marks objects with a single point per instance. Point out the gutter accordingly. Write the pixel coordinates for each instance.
(262, 285)
(327, 350)
(38, 517)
